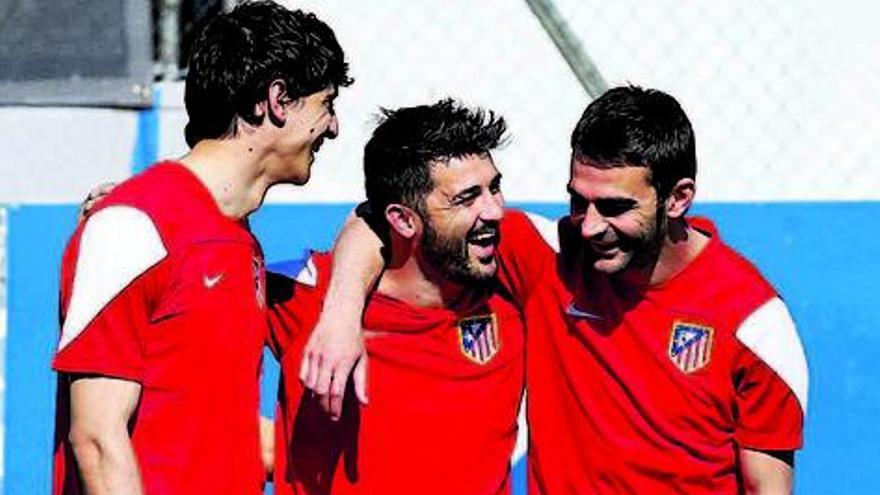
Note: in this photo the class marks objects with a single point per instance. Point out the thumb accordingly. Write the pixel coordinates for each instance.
(360, 380)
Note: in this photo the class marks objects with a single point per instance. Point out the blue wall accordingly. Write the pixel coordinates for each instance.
(821, 256)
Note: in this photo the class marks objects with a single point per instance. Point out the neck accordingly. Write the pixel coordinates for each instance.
(231, 170)
(681, 245)
(411, 280)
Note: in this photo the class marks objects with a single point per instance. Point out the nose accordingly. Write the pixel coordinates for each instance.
(593, 223)
(332, 129)
(493, 208)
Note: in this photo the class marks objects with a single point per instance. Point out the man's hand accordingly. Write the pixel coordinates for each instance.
(336, 344)
(95, 196)
(333, 349)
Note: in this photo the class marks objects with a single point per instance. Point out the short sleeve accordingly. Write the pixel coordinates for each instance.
(111, 290)
(771, 380)
(528, 246)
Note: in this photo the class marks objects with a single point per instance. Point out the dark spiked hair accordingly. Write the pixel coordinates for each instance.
(410, 140)
(238, 54)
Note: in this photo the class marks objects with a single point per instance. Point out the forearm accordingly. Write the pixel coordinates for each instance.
(766, 473)
(357, 264)
(100, 409)
(107, 463)
(267, 445)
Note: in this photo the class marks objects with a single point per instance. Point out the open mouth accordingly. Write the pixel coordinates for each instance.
(484, 242)
(317, 145)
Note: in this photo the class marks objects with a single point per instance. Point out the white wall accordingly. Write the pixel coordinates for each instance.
(782, 95)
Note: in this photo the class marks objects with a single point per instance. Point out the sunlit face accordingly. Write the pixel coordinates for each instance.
(310, 120)
(462, 215)
(617, 212)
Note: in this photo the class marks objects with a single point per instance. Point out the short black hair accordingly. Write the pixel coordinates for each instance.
(408, 141)
(629, 125)
(237, 55)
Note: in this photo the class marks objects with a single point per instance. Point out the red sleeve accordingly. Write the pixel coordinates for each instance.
(110, 278)
(528, 246)
(771, 379)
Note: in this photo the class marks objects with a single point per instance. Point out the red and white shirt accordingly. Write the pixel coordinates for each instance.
(655, 393)
(445, 387)
(160, 288)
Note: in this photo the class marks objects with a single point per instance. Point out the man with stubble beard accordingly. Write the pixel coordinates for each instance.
(445, 342)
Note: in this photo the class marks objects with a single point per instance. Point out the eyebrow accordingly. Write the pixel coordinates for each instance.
(617, 200)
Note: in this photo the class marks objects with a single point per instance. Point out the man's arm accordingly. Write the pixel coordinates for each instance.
(100, 409)
(267, 444)
(335, 345)
(766, 472)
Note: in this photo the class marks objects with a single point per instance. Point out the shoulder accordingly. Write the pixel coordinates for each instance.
(117, 245)
(523, 224)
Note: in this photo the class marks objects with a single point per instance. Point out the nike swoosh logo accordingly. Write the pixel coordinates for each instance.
(210, 282)
(572, 310)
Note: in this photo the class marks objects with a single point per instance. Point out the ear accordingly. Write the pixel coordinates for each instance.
(276, 100)
(681, 198)
(402, 220)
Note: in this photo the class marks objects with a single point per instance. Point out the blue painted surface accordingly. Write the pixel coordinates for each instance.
(821, 256)
(146, 145)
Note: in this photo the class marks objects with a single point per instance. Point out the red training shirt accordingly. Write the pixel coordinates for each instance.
(160, 288)
(653, 393)
(444, 385)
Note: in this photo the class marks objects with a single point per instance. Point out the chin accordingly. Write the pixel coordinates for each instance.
(483, 271)
(610, 266)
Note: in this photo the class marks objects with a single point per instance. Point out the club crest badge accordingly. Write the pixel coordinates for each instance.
(478, 336)
(690, 346)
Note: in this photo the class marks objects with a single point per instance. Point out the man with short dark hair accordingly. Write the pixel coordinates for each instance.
(659, 360)
(445, 343)
(163, 286)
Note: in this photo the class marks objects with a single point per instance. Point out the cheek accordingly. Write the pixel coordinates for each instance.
(634, 225)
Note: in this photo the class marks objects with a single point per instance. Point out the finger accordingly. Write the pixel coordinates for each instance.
(314, 368)
(337, 389)
(360, 380)
(105, 188)
(325, 376)
(304, 367)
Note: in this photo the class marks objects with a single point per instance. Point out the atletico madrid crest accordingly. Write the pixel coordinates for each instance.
(479, 337)
(690, 346)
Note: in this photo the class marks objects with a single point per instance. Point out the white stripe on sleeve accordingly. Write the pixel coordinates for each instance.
(770, 333)
(547, 228)
(118, 244)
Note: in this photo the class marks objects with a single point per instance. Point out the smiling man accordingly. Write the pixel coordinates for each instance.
(163, 286)
(445, 343)
(659, 360)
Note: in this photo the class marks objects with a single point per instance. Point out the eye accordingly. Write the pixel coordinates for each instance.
(614, 207)
(495, 186)
(465, 200)
(577, 204)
